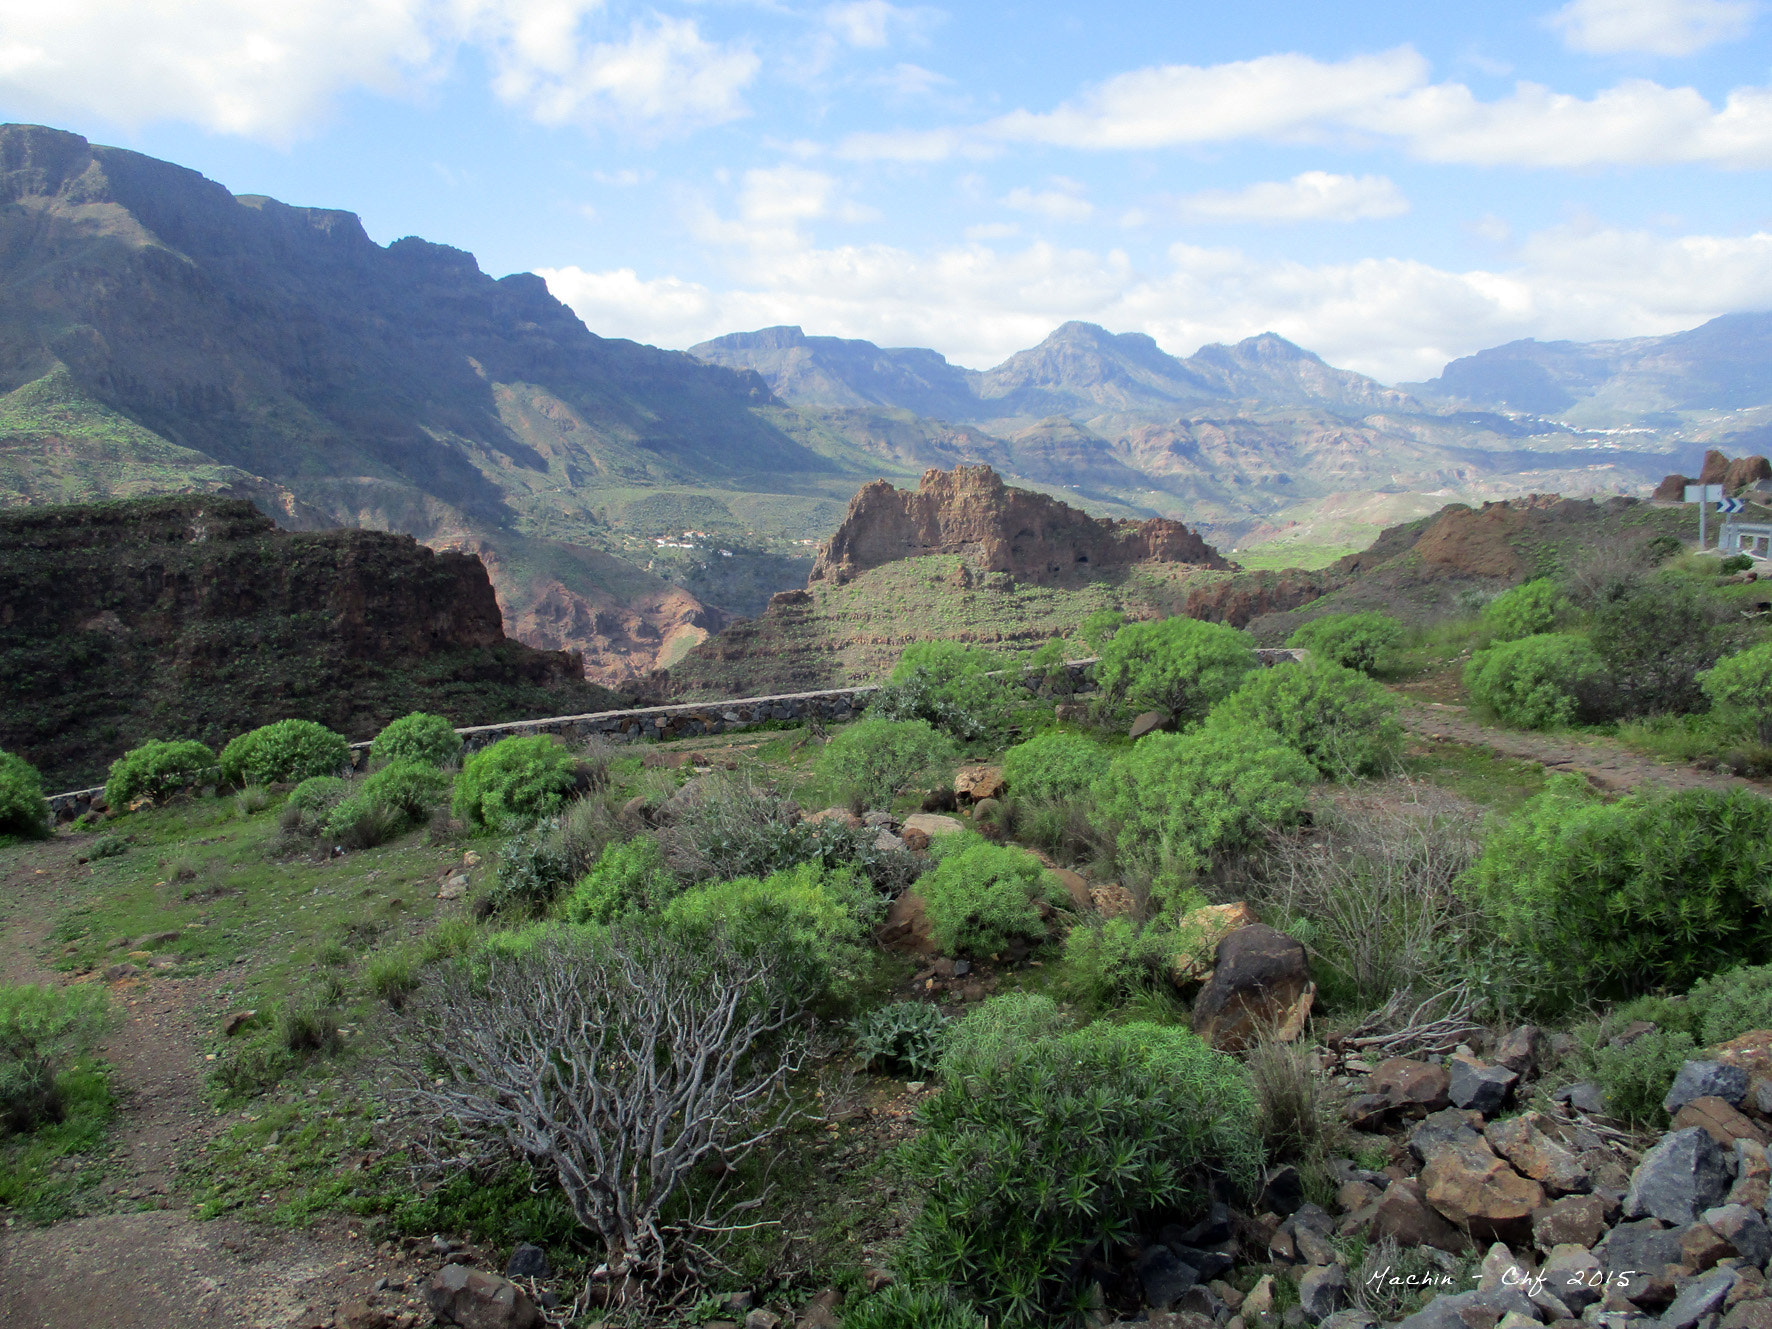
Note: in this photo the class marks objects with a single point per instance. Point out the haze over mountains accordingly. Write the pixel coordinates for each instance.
(159, 334)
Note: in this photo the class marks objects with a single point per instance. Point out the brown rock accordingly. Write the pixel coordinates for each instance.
(821, 1312)
(1113, 900)
(1257, 982)
(931, 824)
(1573, 1220)
(1418, 1087)
(1672, 489)
(1353, 1196)
(1724, 1124)
(914, 840)
(1197, 937)
(116, 973)
(1523, 1141)
(1701, 1246)
(1404, 1215)
(235, 1022)
(361, 1315)
(979, 782)
(1752, 1052)
(1150, 722)
(1367, 1112)
(836, 817)
(1755, 1314)
(1480, 1193)
(1076, 887)
(475, 1299)
(970, 511)
(1521, 1050)
(907, 928)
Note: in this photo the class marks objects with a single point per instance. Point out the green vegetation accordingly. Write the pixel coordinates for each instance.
(1743, 683)
(1526, 610)
(1364, 641)
(1179, 665)
(874, 760)
(1540, 682)
(286, 750)
(629, 876)
(1339, 720)
(420, 736)
(961, 690)
(905, 1037)
(514, 782)
(982, 897)
(1064, 1146)
(45, 1032)
(1054, 765)
(23, 809)
(157, 769)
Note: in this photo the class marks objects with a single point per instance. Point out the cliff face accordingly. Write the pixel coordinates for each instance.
(198, 618)
(970, 511)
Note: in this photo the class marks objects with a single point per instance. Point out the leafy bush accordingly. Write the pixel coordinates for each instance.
(515, 782)
(1735, 563)
(1653, 890)
(961, 690)
(1536, 682)
(994, 1031)
(1527, 610)
(1743, 682)
(317, 793)
(1065, 1145)
(1098, 628)
(157, 769)
(287, 750)
(874, 760)
(905, 1037)
(1107, 960)
(44, 1031)
(410, 789)
(1636, 1076)
(1179, 665)
(1341, 721)
(902, 1307)
(627, 877)
(1365, 641)
(1054, 765)
(982, 896)
(1182, 801)
(23, 809)
(1655, 637)
(421, 737)
(813, 921)
(532, 871)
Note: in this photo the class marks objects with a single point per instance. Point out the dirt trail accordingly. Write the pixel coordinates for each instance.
(1605, 762)
(146, 1261)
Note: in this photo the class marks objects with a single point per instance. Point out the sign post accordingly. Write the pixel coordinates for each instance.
(1702, 494)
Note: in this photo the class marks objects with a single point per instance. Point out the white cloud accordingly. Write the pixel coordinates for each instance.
(1310, 196)
(1064, 202)
(1652, 27)
(1385, 97)
(1393, 318)
(869, 23)
(784, 194)
(272, 71)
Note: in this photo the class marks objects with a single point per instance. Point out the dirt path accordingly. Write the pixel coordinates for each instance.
(140, 1259)
(1607, 763)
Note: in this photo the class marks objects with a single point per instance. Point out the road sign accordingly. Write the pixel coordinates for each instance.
(1732, 505)
(1703, 493)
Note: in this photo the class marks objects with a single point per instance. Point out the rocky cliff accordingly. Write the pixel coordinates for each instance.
(198, 618)
(969, 511)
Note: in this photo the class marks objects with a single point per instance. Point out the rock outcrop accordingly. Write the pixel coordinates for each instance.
(1734, 474)
(971, 512)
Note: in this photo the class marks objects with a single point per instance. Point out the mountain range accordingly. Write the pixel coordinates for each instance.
(161, 334)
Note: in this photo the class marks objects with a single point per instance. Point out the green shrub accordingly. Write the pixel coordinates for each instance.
(1735, 563)
(815, 921)
(287, 750)
(358, 822)
(904, 1037)
(1054, 765)
(1183, 801)
(515, 782)
(157, 769)
(901, 1307)
(627, 877)
(392, 974)
(966, 692)
(1536, 682)
(317, 793)
(1655, 637)
(1179, 665)
(1107, 960)
(309, 1024)
(1743, 682)
(1636, 1077)
(420, 736)
(23, 809)
(532, 872)
(1034, 1162)
(1365, 641)
(995, 1031)
(1098, 628)
(982, 896)
(1654, 890)
(875, 760)
(410, 789)
(1341, 721)
(44, 1031)
(1527, 610)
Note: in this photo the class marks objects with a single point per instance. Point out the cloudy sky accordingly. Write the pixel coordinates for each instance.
(1389, 184)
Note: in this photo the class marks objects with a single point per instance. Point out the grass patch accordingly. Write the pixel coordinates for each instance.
(52, 1172)
(1498, 783)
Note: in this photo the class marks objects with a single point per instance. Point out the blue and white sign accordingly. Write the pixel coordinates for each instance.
(1732, 505)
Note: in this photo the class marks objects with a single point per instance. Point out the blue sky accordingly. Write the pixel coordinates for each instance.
(1388, 184)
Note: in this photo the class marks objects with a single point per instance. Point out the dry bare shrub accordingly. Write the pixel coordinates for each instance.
(1299, 1115)
(618, 1061)
(1377, 886)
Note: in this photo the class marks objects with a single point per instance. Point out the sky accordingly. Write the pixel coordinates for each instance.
(1388, 184)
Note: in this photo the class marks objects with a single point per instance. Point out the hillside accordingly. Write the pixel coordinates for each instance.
(160, 334)
(198, 618)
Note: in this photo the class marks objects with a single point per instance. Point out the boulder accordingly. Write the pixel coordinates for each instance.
(1583, 1096)
(1681, 1177)
(1720, 1121)
(915, 840)
(761, 1318)
(1076, 887)
(528, 1261)
(1753, 1175)
(1112, 900)
(1149, 723)
(1744, 1229)
(932, 824)
(1574, 1276)
(1701, 1246)
(1367, 1112)
(1322, 1291)
(1706, 1079)
(1481, 1088)
(1521, 1050)
(1748, 1315)
(1524, 1142)
(1480, 1193)
(1645, 1245)
(1443, 1127)
(907, 927)
(1258, 983)
(361, 1315)
(1698, 1299)
(1198, 934)
(1164, 1277)
(475, 1299)
(1574, 1220)
(1417, 1087)
(832, 817)
(1282, 1191)
(979, 782)
(1672, 489)
(1404, 1215)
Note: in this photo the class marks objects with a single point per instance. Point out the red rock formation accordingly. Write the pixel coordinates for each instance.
(1672, 489)
(1733, 475)
(971, 512)
(1247, 597)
